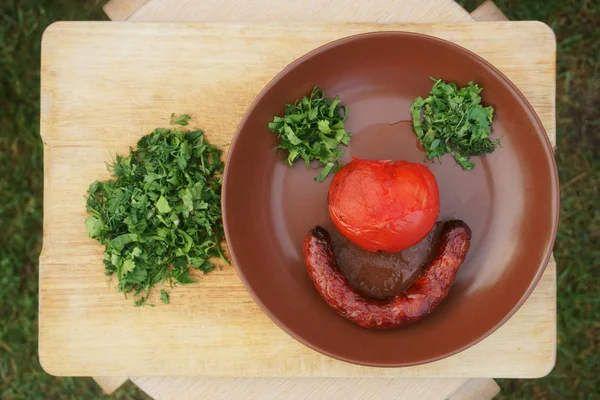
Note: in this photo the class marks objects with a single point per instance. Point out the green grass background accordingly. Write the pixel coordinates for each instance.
(577, 250)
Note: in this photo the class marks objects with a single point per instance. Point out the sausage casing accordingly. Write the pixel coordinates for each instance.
(418, 301)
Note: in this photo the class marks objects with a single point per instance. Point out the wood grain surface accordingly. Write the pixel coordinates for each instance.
(488, 11)
(109, 384)
(121, 10)
(300, 388)
(313, 11)
(476, 389)
(106, 84)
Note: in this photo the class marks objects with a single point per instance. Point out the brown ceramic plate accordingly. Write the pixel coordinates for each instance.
(510, 199)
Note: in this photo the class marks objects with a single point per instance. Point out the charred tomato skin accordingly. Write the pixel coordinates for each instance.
(384, 205)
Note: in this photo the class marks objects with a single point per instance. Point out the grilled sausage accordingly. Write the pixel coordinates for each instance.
(418, 301)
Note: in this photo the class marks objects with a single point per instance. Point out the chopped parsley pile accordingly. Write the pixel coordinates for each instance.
(313, 129)
(452, 120)
(161, 212)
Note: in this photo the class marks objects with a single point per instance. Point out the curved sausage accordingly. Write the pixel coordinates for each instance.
(418, 301)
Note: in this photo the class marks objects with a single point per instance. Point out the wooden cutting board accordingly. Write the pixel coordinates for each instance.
(106, 84)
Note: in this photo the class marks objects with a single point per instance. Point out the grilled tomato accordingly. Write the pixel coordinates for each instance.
(384, 205)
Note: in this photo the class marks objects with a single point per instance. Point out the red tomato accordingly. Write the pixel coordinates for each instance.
(384, 205)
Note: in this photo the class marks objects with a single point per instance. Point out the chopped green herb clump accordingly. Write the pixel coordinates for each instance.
(313, 129)
(452, 120)
(161, 213)
(181, 120)
(164, 297)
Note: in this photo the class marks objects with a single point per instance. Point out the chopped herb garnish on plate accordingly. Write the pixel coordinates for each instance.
(453, 120)
(313, 129)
